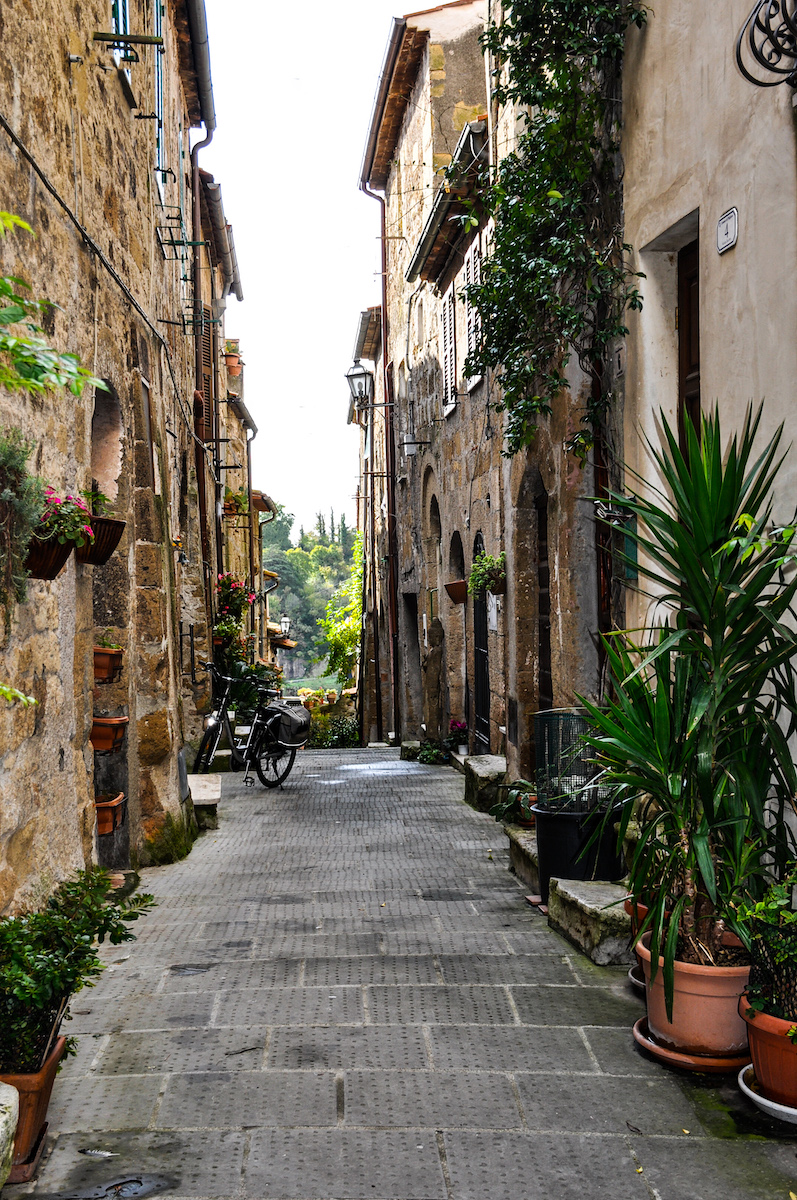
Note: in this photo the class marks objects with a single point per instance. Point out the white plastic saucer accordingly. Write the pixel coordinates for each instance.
(749, 1085)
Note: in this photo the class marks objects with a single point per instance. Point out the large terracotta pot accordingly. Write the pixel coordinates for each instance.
(705, 1007)
(46, 559)
(110, 812)
(774, 1056)
(107, 535)
(34, 1096)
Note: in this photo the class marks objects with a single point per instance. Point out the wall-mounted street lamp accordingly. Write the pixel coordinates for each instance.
(285, 624)
(361, 384)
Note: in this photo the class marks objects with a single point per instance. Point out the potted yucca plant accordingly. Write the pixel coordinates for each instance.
(692, 738)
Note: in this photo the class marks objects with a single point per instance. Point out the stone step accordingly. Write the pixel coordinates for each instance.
(589, 914)
(205, 794)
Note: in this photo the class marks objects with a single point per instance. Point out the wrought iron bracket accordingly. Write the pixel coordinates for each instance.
(768, 39)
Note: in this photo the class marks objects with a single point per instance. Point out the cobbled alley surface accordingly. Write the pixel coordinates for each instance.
(343, 994)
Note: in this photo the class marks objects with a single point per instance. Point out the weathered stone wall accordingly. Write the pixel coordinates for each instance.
(123, 317)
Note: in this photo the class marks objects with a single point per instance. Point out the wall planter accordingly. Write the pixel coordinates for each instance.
(107, 663)
(34, 1097)
(107, 535)
(107, 734)
(706, 1025)
(774, 1055)
(233, 364)
(46, 559)
(457, 590)
(562, 838)
(110, 812)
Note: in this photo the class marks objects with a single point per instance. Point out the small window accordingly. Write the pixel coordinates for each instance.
(120, 23)
(473, 274)
(448, 331)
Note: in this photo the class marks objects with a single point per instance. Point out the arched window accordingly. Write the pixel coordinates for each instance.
(107, 432)
(456, 558)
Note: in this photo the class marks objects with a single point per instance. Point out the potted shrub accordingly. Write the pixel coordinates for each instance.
(488, 574)
(232, 357)
(692, 738)
(45, 957)
(107, 531)
(64, 526)
(107, 659)
(518, 806)
(769, 1007)
(236, 503)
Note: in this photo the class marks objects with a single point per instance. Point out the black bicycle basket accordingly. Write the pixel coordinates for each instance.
(292, 729)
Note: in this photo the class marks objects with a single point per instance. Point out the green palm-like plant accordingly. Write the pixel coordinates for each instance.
(694, 736)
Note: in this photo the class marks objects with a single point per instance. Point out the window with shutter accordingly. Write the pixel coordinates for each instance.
(207, 369)
(449, 351)
(473, 274)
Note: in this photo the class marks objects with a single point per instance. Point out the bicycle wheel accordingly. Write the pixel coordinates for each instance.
(273, 765)
(207, 749)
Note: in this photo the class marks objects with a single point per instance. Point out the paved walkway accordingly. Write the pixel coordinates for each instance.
(342, 994)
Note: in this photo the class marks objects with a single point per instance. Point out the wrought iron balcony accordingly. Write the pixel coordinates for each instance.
(768, 43)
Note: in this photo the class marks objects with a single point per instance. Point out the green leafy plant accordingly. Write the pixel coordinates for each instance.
(98, 503)
(106, 640)
(237, 500)
(693, 737)
(555, 281)
(27, 362)
(342, 624)
(233, 598)
(22, 503)
(47, 956)
(487, 573)
(517, 803)
(64, 520)
(772, 923)
(13, 696)
(433, 754)
(329, 732)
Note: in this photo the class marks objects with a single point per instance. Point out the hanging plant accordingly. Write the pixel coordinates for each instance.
(21, 506)
(556, 280)
(488, 574)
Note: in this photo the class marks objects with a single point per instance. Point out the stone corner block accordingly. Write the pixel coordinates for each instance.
(592, 917)
(9, 1114)
(483, 775)
(410, 751)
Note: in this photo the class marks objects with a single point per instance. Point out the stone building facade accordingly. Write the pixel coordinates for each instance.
(492, 660)
(97, 103)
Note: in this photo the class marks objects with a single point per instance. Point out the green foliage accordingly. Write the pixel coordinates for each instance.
(487, 573)
(238, 500)
(13, 696)
(99, 504)
(329, 732)
(276, 533)
(27, 362)
(694, 736)
(47, 956)
(555, 281)
(517, 803)
(172, 842)
(342, 624)
(433, 754)
(21, 507)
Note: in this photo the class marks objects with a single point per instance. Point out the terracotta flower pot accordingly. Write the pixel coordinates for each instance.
(107, 664)
(46, 559)
(458, 590)
(107, 535)
(110, 812)
(774, 1056)
(107, 734)
(705, 1007)
(34, 1096)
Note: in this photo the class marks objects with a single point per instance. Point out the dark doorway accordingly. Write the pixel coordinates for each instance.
(688, 339)
(545, 692)
(481, 667)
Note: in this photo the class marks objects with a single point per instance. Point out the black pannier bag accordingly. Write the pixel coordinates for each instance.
(293, 728)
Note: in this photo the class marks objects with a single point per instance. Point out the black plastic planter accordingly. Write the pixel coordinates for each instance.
(561, 839)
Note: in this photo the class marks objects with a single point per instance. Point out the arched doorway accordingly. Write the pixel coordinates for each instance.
(481, 666)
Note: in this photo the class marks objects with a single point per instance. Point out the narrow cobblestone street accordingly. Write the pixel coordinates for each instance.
(342, 994)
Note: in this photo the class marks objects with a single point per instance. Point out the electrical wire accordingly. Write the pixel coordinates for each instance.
(93, 247)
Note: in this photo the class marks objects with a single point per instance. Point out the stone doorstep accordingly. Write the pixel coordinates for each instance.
(205, 794)
(9, 1112)
(484, 773)
(587, 914)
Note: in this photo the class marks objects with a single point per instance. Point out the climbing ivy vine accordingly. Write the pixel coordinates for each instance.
(556, 281)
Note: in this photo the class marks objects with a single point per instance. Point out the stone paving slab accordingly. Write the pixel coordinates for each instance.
(343, 994)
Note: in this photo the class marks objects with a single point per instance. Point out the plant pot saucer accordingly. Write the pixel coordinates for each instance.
(706, 1063)
(636, 977)
(751, 1088)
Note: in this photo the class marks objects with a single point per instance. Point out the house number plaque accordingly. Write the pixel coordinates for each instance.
(727, 230)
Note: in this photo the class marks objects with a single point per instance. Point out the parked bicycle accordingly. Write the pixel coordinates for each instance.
(268, 738)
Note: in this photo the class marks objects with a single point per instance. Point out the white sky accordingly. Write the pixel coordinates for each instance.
(293, 87)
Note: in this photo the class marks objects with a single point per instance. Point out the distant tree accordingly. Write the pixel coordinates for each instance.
(346, 537)
(276, 533)
(332, 525)
(343, 620)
